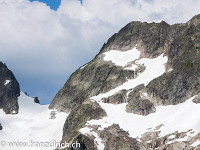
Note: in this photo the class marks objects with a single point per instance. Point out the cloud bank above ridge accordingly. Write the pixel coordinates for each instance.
(43, 47)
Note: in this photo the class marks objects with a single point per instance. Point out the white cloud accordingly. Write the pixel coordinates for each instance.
(37, 41)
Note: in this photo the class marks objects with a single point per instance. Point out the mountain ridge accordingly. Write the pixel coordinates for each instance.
(147, 50)
(175, 84)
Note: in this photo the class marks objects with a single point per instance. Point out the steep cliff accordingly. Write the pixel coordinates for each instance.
(9, 90)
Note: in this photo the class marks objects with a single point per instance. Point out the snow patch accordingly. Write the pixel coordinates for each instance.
(145, 94)
(120, 58)
(83, 66)
(196, 143)
(170, 70)
(185, 113)
(7, 82)
(154, 68)
(184, 139)
(171, 136)
(32, 123)
(97, 139)
(136, 125)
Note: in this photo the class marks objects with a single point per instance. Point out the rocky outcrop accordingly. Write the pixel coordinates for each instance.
(173, 141)
(117, 98)
(138, 103)
(196, 99)
(136, 92)
(36, 100)
(97, 77)
(115, 138)
(184, 57)
(150, 37)
(52, 114)
(1, 127)
(140, 106)
(9, 90)
(77, 119)
(85, 142)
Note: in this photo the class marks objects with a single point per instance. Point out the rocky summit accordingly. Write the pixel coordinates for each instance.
(9, 91)
(140, 92)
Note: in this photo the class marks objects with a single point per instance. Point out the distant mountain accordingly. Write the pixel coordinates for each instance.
(140, 92)
(9, 90)
(32, 123)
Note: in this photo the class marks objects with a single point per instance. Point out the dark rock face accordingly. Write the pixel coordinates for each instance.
(85, 143)
(9, 90)
(76, 120)
(184, 57)
(115, 138)
(135, 93)
(152, 140)
(119, 97)
(95, 78)
(36, 100)
(1, 128)
(140, 106)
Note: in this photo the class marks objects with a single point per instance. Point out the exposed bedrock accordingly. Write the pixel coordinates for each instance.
(115, 138)
(97, 77)
(77, 119)
(9, 91)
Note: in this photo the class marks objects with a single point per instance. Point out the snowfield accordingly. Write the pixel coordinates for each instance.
(154, 68)
(31, 125)
(97, 139)
(181, 117)
(122, 58)
(136, 125)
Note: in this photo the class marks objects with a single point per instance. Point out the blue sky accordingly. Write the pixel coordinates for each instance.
(44, 47)
(54, 4)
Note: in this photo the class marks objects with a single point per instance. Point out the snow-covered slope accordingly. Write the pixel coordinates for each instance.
(136, 125)
(182, 117)
(30, 126)
(175, 118)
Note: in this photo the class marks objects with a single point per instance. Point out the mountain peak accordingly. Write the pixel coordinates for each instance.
(142, 73)
(9, 90)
